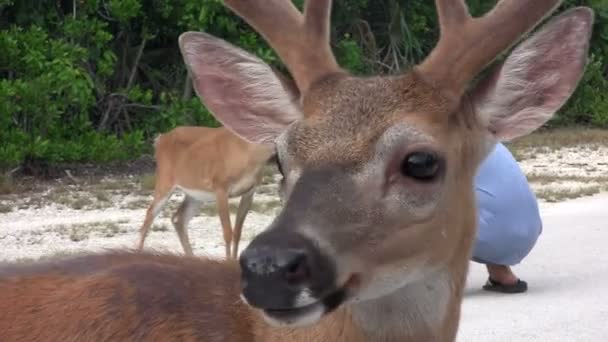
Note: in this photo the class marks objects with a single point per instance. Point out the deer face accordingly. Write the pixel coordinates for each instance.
(377, 179)
(377, 172)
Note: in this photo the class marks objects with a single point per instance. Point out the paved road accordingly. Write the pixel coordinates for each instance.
(567, 275)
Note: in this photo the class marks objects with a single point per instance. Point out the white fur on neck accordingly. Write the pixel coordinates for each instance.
(418, 306)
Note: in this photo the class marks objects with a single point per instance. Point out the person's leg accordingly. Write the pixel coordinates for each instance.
(509, 219)
(503, 240)
(502, 274)
(502, 279)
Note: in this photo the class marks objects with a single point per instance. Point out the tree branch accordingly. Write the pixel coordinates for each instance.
(140, 52)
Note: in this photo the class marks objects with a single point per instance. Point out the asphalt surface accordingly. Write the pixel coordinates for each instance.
(567, 275)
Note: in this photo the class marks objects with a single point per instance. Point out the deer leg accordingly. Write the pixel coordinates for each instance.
(244, 206)
(224, 213)
(187, 210)
(158, 203)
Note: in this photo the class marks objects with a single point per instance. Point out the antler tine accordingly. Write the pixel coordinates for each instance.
(452, 14)
(301, 41)
(317, 17)
(466, 45)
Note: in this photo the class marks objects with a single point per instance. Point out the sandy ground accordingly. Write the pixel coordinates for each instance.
(33, 232)
(67, 218)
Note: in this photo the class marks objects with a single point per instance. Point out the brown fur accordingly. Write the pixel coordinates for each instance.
(211, 160)
(123, 296)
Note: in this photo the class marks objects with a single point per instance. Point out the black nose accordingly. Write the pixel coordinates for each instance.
(277, 267)
(282, 265)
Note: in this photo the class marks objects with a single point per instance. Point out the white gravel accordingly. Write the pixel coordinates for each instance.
(36, 232)
(583, 161)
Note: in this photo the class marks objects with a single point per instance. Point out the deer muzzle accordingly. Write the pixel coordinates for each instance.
(287, 277)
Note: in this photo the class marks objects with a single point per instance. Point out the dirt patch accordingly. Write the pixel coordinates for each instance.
(556, 139)
(137, 203)
(42, 170)
(147, 182)
(7, 184)
(6, 208)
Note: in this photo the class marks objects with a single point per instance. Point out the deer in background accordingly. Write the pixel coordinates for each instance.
(206, 164)
(374, 238)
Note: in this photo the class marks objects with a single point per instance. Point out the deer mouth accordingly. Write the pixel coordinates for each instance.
(307, 314)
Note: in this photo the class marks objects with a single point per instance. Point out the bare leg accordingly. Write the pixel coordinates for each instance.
(502, 279)
(502, 274)
(224, 212)
(244, 206)
(187, 210)
(158, 203)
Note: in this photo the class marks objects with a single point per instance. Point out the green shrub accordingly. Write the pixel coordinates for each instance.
(589, 103)
(97, 81)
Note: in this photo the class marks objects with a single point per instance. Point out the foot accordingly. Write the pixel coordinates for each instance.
(502, 279)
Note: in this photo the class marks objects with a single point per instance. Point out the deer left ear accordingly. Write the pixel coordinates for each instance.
(245, 94)
(537, 78)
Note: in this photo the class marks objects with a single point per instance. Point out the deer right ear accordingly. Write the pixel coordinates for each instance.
(245, 94)
(537, 78)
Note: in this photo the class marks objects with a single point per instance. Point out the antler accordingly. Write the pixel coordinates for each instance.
(302, 41)
(467, 44)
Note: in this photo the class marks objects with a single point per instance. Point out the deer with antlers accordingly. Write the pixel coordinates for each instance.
(374, 238)
(206, 164)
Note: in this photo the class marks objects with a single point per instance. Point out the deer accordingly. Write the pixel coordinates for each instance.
(206, 164)
(374, 237)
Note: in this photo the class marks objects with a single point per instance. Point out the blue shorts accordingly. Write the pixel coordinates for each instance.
(509, 218)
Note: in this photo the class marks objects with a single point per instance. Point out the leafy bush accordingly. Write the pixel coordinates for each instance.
(589, 104)
(97, 81)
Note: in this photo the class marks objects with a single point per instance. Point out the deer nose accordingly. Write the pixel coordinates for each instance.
(289, 266)
(277, 270)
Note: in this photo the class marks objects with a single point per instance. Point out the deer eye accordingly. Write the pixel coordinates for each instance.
(422, 166)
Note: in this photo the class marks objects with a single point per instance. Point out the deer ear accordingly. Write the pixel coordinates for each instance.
(245, 94)
(537, 78)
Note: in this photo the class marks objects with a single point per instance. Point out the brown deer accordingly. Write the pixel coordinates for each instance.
(374, 238)
(206, 164)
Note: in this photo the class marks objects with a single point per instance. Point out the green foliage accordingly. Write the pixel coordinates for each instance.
(124, 10)
(89, 146)
(350, 55)
(589, 103)
(97, 81)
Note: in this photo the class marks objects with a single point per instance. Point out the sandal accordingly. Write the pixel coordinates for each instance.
(519, 287)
